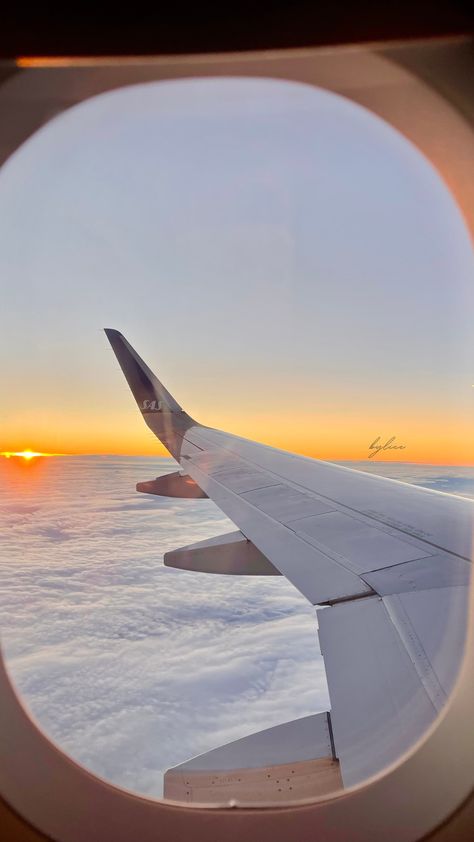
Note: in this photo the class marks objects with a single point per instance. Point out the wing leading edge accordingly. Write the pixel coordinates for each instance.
(386, 564)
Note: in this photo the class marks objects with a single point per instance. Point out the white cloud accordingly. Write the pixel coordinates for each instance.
(133, 667)
(130, 666)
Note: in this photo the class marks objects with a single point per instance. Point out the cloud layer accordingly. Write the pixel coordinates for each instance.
(130, 666)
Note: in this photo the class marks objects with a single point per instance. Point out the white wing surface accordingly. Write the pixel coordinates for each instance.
(387, 564)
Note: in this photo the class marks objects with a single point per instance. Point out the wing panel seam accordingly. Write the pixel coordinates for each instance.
(389, 528)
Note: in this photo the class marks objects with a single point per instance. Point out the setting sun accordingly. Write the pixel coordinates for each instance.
(25, 454)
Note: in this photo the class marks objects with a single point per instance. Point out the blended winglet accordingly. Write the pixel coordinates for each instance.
(160, 410)
(149, 393)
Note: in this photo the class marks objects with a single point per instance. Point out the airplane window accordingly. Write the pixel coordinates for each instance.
(277, 266)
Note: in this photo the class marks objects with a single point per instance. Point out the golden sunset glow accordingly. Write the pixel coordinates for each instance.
(430, 435)
(24, 454)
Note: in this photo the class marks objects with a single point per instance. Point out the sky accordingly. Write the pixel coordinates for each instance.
(133, 667)
(292, 268)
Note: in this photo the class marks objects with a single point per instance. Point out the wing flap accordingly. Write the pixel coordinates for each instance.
(285, 763)
(379, 707)
(390, 665)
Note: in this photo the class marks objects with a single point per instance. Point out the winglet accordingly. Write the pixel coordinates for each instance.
(149, 393)
(160, 410)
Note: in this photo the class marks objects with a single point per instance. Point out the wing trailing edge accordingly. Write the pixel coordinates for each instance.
(288, 762)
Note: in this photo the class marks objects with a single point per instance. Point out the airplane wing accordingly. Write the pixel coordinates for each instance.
(386, 565)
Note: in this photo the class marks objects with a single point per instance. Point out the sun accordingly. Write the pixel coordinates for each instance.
(25, 454)
(28, 454)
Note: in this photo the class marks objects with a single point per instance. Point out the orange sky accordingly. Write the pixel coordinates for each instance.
(448, 441)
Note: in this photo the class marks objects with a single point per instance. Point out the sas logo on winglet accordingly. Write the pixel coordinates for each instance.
(153, 406)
